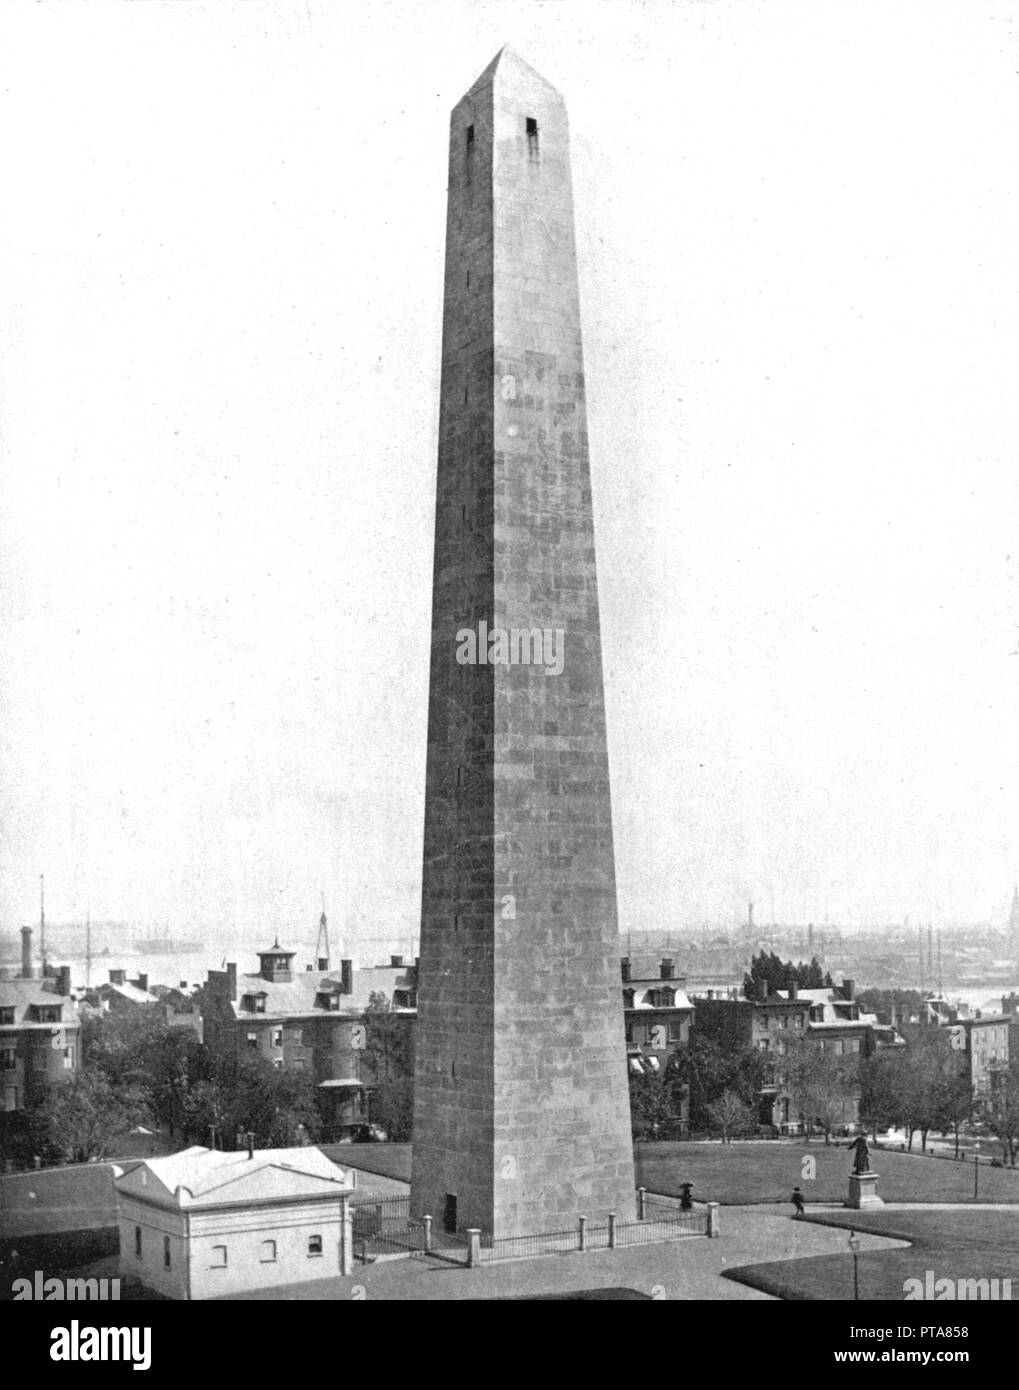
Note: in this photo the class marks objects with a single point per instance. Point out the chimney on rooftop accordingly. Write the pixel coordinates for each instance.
(848, 989)
(117, 977)
(323, 963)
(26, 953)
(346, 977)
(231, 981)
(396, 962)
(625, 967)
(667, 967)
(251, 1144)
(62, 979)
(794, 990)
(764, 989)
(143, 982)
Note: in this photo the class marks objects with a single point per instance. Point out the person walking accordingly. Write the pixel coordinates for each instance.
(797, 1201)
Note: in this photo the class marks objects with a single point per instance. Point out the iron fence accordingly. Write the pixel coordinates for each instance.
(663, 1218)
(524, 1247)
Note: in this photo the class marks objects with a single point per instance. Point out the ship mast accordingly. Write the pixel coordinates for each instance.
(42, 923)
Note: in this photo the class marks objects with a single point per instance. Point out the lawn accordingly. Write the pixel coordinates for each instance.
(741, 1173)
(952, 1244)
(387, 1160)
(78, 1197)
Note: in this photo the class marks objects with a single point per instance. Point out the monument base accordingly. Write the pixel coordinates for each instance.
(863, 1191)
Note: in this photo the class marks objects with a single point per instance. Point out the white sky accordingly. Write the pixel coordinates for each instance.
(220, 291)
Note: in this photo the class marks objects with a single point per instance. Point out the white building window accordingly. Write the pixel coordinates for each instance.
(218, 1260)
(268, 1255)
(314, 1245)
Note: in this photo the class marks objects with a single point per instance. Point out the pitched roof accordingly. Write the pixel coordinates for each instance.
(834, 1008)
(295, 998)
(25, 995)
(642, 992)
(128, 991)
(208, 1177)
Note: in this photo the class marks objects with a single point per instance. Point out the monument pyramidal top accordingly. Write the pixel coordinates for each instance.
(507, 61)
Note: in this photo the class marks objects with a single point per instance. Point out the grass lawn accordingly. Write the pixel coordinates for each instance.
(953, 1244)
(388, 1160)
(78, 1197)
(737, 1174)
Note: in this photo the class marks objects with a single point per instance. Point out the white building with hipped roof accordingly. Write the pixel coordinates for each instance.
(203, 1223)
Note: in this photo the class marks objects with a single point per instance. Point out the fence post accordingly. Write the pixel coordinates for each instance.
(473, 1247)
(612, 1230)
(713, 1226)
(426, 1221)
(346, 1236)
(641, 1203)
(582, 1232)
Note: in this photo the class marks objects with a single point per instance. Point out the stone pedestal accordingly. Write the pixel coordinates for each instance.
(863, 1191)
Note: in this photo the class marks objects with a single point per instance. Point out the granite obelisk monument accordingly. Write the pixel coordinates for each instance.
(521, 1107)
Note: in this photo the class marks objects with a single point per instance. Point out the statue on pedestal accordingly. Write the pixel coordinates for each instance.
(862, 1160)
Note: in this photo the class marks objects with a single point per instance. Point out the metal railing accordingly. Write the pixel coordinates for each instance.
(659, 1218)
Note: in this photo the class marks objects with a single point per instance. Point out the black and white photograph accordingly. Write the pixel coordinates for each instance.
(509, 698)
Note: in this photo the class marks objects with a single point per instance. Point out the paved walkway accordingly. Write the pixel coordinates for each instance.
(689, 1268)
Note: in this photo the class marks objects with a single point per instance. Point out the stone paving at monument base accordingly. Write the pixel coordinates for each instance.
(671, 1270)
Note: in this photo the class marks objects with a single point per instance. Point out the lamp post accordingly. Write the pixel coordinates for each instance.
(854, 1245)
(976, 1168)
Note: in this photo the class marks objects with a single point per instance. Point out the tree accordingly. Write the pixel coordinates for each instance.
(138, 1049)
(926, 1081)
(708, 1069)
(389, 1065)
(731, 1115)
(768, 969)
(822, 1083)
(86, 1115)
(1003, 1113)
(654, 1103)
(878, 1094)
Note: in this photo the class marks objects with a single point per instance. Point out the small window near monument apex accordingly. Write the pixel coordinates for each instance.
(532, 128)
(470, 135)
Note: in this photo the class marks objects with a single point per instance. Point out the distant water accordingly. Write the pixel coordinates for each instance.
(162, 967)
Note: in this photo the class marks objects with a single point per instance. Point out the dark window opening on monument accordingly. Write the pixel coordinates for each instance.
(470, 136)
(466, 395)
(532, 136)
